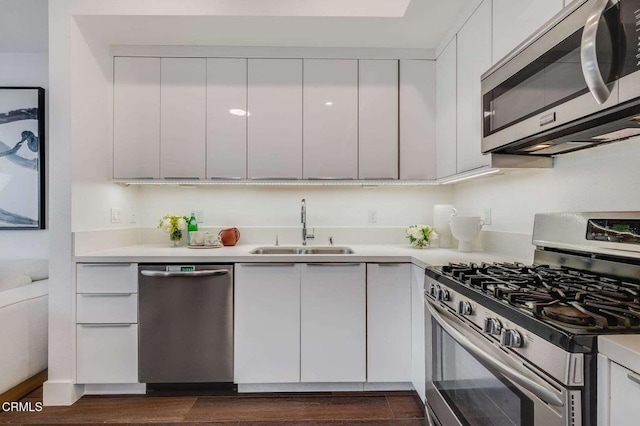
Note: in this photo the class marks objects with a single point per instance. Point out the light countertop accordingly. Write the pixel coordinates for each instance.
(163, 253)
(622, 349)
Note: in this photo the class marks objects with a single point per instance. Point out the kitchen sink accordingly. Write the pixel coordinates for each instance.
(302, 250)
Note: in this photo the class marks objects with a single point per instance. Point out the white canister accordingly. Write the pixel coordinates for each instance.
(441, 216)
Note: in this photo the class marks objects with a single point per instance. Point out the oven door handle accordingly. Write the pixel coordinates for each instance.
(536, 387)
(589, 54)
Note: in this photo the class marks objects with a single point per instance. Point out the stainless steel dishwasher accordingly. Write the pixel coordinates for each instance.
(186, 323)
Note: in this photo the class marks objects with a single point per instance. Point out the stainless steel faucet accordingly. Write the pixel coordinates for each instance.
(303, 218)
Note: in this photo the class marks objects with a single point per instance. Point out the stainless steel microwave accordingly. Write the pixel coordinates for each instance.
(574, 84)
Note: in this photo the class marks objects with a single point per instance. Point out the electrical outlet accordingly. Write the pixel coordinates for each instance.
(132, 217)
(116, 215)
(373, 216)
(199, 216)
(486, 216)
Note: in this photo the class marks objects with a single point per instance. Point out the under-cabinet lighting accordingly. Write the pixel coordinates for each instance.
(482, 172)
(248, 182)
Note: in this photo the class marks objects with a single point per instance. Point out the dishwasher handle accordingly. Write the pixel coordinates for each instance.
(168, 274)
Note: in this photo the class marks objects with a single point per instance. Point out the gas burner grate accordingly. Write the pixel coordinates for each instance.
(558, 294)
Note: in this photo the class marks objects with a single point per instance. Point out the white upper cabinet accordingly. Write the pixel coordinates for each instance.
(136, 118)
(378, 119)
(330, 141)
(226, 118)
(333, 323)
(275, 118)
(474, 58)
(417, 119)
(183, 121)
(515, 20)
(446, 127)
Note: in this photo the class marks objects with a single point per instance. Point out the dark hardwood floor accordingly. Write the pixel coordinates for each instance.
(222, 409)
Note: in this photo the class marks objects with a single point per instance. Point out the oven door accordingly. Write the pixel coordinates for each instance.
(471, 381)
(568, 73)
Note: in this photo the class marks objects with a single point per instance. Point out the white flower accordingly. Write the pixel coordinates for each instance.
(182, 224)
(166, 225)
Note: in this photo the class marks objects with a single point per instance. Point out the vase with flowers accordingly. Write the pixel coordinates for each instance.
(174, 226)
(420, 236)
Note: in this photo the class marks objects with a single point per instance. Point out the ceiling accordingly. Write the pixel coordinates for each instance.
(424, 25)
(23, 26)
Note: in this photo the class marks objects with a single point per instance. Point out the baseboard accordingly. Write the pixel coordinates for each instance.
(321, 387)
(116, 389)
(61, 392)
(23, 389)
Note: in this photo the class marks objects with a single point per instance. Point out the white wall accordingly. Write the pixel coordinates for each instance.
(24, 69)
(280, 206)
(596, 179)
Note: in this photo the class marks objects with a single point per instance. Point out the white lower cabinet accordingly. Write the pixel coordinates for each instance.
(267, 323)
(107, 353)
(417, 331)
(618, 394)
(389, 322)
(333, 323)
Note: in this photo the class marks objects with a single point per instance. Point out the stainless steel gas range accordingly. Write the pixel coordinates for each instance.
(515, 344)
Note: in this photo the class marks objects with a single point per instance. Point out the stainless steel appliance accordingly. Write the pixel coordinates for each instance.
(514, 344)
(186, 323)
(572, 85)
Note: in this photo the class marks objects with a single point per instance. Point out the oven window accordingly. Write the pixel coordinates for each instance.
(477, 395)
(552, 79)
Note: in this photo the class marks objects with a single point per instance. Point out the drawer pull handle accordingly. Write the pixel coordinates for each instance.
(633, 378)
(333, 264)
(92, 265)
(267, 264)
(105, 325)
(105, 294)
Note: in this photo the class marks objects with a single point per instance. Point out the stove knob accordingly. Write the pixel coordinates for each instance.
(492, 326)
(443, 295)
(511, 338)
(434, 289)
(464, 308)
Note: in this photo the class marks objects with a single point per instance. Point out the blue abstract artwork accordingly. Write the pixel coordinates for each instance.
(22, 158)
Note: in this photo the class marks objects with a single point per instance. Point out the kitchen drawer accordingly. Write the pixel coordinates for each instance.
(107, 308)
(107, 278)
(107, 353)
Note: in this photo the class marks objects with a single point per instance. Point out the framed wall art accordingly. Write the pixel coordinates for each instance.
(22, 174)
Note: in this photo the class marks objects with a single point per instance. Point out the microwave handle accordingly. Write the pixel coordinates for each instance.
(589, 55)
(541, 390)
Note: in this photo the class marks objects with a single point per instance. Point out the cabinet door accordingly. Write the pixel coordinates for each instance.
(446, 110)
(267, 323)
(107, 353)
(333, 323)
(275, 120)
(625, 394)
(417, 119)
(226, 118)
(389, 322)
(417, 331)
(330, 119)
(515, 20)
(378, 119)
(474, 58)
(183, 118)
(136, 118)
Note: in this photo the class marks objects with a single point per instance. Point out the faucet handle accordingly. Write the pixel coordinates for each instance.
(331, 241)
(311, 235)
(277, 243)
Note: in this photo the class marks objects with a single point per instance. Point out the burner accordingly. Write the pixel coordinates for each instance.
(567, 314)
